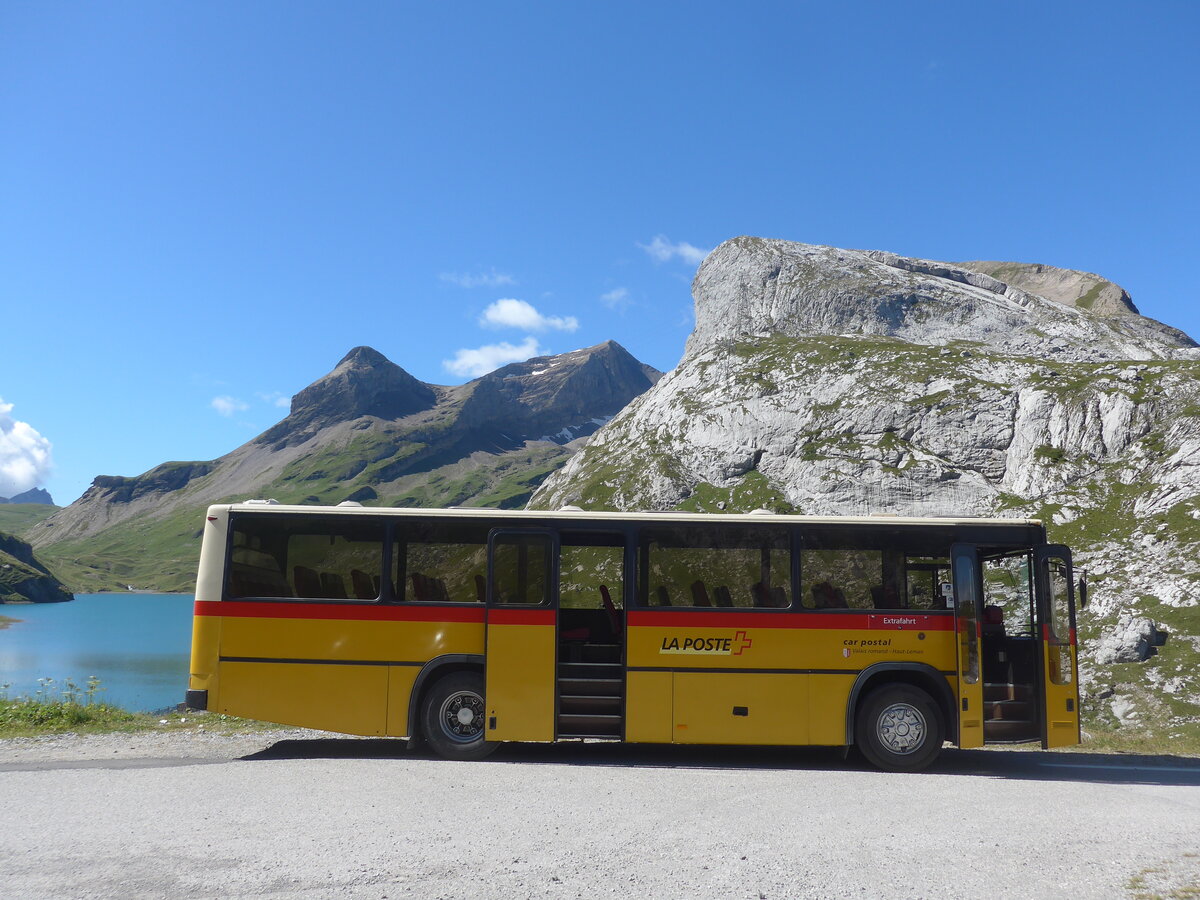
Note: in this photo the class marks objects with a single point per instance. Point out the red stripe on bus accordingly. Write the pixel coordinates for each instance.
(508, 616)
(306, 610)
(855, 620)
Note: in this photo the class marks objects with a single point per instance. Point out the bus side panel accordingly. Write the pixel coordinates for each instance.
(206, 630)
(740, 708)
(350, 699)
(347, 640)
(206, 642)
(400, 687)
(648, 707)
(827, 699)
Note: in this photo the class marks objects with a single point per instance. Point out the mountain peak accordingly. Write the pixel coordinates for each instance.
(363, 356)
(364, 383)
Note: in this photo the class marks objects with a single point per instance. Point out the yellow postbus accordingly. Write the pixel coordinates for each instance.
(468, 627)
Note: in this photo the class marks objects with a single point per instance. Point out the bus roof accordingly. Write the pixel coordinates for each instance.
(611, 516)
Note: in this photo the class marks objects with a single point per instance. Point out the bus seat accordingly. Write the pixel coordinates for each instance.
(723, 597)
(826, 596)
(364, 588)
(614, 617)
(420, 588)
(993, 621)
(333, 586)
(480, 588)
(438, 589)
(769, 598)
(663, 598)
(758, 591)
(700, 594)
(307, 582)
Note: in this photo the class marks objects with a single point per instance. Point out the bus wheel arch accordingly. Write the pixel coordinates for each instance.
(916, 677)
(437, 668)
(454, 718)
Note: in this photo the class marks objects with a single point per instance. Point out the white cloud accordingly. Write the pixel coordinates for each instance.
(617, 298)
(509, 313)
(24, 454)
(662, 250)
(482, 279)
(227, 405)
(484, 359)
(283, 401)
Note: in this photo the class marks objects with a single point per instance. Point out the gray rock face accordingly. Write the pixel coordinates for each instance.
(827, 381)
(751, 286)
(1133, 639)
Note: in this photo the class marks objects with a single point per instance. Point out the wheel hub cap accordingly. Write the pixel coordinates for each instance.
(902, 728)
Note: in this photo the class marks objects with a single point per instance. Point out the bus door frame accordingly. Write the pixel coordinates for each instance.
(1060, 706)
(521, 650)
(966, 574)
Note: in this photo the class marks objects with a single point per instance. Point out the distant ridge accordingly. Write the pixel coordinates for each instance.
(366, 431)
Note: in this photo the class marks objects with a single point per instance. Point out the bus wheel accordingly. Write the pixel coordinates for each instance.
(453, 717)
(899, 728)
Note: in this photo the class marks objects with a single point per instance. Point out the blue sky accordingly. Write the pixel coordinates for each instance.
(204, 206)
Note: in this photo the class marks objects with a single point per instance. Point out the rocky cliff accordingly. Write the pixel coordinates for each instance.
(23, 579)
(829, 381)
(38, 496)
(367, 431)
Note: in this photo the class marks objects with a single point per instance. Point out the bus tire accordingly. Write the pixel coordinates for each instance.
(453, 717)
(899, 728)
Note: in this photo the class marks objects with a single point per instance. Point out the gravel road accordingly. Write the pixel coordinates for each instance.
(301, 814)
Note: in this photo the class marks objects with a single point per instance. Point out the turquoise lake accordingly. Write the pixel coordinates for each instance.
(138, 645)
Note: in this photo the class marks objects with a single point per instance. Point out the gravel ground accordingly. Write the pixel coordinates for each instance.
(291, 813)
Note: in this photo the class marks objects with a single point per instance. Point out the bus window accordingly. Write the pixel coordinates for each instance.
(1058, 579)
(440, 562)
(716, 567)
(925, 576)
(306, 559)
(843, 579)
(521, 569)
(586, 563)
(1007, 586)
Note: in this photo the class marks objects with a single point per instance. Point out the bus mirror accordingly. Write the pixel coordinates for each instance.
(1083, 591)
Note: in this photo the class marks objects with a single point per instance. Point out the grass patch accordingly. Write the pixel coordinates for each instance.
(5, 621)
(69, 708)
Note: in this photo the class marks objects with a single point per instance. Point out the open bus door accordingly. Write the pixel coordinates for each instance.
(1056, 615)
(522, 599)
(968, 584)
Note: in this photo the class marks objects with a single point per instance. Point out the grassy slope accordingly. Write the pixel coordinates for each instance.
(17, 518)
(162, 553)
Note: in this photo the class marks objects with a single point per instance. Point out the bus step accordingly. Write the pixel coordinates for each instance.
(571, 704)
(601, 653)
(1005, 691)
(589, 669)
(564, 736)
(592, 724)
(1007, 710)
(594, 687)
(1011, 730)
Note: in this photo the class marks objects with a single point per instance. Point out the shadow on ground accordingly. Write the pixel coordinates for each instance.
(1028, 765)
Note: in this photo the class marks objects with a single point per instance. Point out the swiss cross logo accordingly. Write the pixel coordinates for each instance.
(741, 642)
(707, 646)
